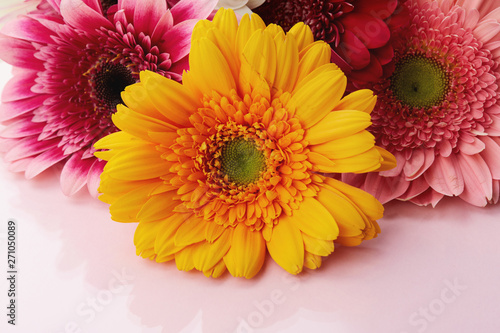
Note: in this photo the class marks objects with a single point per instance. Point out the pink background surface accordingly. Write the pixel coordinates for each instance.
(431, 270)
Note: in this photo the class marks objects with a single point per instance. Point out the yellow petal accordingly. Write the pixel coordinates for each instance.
(286, 246)
(135, 97)
(209, 68)
(302, 33)
(317, 246)
(207, 255)
(312, 261)
(313, 56)
(248, 25)
(337, 125)
(247, 253)
(315, 220)
(216, 271)
(260, 54)
(348, 219)
(321, 162)
(144, 238)
(388, 160)
(137, 164)
(158, 207)
(346, 147)
(362, 100)
(171, 98)
(164, 243)
(184, 258)
(225, 20)
(316, 95)
(138, 124)
(128, 205)
(190, 231)
(287, 64)
(364, 162)
(365, 201)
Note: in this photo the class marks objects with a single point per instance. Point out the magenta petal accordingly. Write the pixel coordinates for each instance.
(22, 128)
(178, 40)
(378, 9)
(15, 89)
(75, 173)
(445, 176)
(20, 107)
(94, 177)
(28, 147)
(80, 15)
(165, 23)
(44, 161)
(147, 14)
(19, 53)
(353, 51)
(477, 177)
(189, 9)
(372, 31)
(28, 29)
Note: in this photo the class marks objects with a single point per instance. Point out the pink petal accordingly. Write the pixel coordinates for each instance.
(417, 187)
(22, 128)
(147, 14)
(19, 53)
(178, 40)
(496, 192)
(472, 148)
(164, 24)
(19, 86)
(28, 29)
(20, 165)
(28, 147)
(80, 15)
(44, 161)
(94, 177)
(189, 9)
(11, 110)
(494, 128)
(491, 155)
(385, 189)
(485, 31)
(428, 197)
(445, 176)
(477, 178)
(418, 163)
(75, 173)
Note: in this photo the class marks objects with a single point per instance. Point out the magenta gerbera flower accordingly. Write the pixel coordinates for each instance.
(359, 31)
(72, 59)
(439, 111)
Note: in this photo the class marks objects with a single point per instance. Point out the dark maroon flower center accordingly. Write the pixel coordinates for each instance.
(322, 16)
(108, 81)
(107, 3)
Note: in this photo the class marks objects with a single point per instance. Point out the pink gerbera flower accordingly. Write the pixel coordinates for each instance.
(359, 31)
(72, 59)
(439, 111)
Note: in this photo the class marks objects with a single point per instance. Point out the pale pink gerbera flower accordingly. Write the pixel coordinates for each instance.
(439, 110)
(72, 59)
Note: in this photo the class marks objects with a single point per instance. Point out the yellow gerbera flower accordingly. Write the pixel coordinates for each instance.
(226, 166)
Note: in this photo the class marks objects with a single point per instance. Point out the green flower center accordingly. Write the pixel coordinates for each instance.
(419, 82)
(242, 162)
